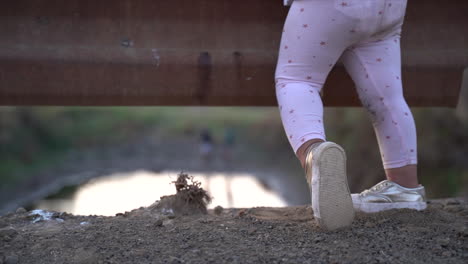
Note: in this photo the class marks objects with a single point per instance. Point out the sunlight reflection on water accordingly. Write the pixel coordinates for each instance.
(122, 192)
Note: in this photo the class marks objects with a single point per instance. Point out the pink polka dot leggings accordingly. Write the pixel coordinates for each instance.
(365, 36)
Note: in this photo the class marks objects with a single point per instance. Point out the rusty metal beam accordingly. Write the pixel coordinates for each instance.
(205, 52)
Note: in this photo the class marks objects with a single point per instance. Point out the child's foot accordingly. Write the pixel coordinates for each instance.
(388, 195)
(325, 167)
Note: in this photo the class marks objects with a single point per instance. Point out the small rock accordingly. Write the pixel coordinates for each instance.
(463, 232)
(369, 224)
(443, 241)
(205, 221)
(242, 213)
(158, 223)
(11, 259)
(185, 246)
(20, 210)
(446, 254)
(171, 216)
(218, 210)
(317, 239)
(119, 214)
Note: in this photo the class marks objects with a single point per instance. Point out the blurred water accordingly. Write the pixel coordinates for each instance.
(122, 192)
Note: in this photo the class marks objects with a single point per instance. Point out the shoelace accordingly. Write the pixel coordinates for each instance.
(375, 188)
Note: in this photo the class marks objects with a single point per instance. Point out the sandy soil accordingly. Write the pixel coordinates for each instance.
(257, 235)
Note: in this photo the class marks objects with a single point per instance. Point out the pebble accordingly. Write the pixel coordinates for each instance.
(205, 221)
(318, 239)
(369, 224)
(463, 232)
(158, 223)
(242, 213)
(443, 241)
(252, 231)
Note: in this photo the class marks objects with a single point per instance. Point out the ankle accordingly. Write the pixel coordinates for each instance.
(406, 184)
(405, 176)
(303, 150)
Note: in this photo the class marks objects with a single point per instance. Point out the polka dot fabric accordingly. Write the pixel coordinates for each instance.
(365, 36)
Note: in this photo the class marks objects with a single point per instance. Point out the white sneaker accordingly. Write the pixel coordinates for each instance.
(387, 195)
(331, 198)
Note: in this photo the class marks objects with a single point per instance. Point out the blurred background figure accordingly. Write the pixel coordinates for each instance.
(227, 159)
(206, 147)
(228, 147)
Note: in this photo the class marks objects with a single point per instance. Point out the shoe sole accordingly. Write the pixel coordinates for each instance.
(331, 198)
(379, 207)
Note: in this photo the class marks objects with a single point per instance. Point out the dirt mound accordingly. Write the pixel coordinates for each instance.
(190, 198)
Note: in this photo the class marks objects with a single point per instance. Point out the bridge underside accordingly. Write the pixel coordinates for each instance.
(205, 52)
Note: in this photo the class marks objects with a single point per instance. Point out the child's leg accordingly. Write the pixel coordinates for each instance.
(376, 69)
(314, 37)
